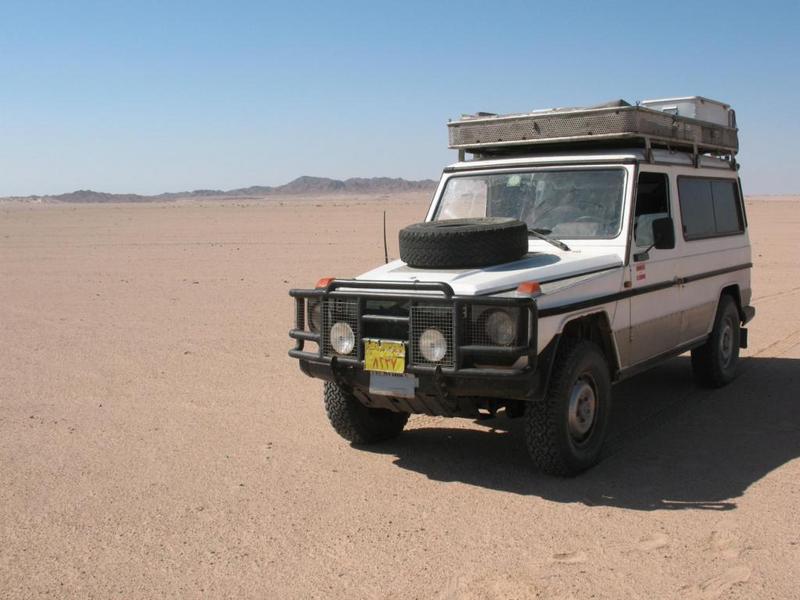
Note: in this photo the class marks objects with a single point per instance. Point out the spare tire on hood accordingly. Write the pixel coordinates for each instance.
(463, 243)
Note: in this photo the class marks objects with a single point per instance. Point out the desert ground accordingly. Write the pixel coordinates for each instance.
(157, 442)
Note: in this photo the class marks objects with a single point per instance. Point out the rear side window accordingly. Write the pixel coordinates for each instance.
(709, 207)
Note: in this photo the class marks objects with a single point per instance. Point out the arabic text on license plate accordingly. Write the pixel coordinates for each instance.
(384, 357)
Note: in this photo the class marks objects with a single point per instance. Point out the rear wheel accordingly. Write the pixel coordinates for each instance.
(358, 423)
(714, 363)
(565, 431)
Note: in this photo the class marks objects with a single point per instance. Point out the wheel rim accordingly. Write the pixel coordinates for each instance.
(582, 408)
(726, 343)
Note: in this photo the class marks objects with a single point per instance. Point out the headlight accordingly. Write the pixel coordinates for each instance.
(432, 345)
(342, 338)
(315, 316)
(501, 328)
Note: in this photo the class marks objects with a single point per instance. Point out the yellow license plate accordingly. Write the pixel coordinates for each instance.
(384, 357)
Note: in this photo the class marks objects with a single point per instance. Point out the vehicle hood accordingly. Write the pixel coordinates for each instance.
(539, 266)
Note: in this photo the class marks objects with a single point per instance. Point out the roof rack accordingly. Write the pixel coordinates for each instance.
(608, 125)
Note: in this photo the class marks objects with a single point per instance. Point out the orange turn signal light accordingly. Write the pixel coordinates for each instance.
(324, 282)
(529, 288)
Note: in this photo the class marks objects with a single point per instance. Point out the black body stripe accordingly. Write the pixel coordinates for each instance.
(557, 279)
(565, 308)
(708, 274)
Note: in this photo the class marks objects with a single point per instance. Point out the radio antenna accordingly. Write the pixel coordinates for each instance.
(385, 248)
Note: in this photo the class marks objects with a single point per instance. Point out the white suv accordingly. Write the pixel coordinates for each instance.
(548, 268)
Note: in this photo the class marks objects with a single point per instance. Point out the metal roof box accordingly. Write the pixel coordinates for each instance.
(695, 107)
(606, 125)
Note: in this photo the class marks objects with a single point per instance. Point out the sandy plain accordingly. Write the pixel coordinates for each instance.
(156, 441)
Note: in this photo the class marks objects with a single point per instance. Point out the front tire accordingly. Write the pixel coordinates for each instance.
(565, 432)
(357, 423)
(714, 363)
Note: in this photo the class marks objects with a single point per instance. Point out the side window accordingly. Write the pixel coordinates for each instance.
(726, 206)
(709, 207)
(652, 202)
(697, 207)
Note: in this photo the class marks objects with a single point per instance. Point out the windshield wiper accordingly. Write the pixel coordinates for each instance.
(542, 234)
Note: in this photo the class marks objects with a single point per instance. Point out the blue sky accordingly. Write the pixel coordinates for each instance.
(153, 96)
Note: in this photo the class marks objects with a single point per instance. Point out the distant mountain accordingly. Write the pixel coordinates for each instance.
(305, 185)
(312, 185)
(92, 196)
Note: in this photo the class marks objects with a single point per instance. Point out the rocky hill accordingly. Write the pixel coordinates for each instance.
(305, 185)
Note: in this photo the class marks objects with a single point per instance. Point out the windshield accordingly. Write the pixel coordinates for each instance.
(573, 204)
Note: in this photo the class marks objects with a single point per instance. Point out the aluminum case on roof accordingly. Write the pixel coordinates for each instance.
(695, 107)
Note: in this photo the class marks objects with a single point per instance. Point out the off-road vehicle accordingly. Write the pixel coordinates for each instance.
(574, 249)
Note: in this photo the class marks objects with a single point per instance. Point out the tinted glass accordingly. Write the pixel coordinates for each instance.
(726, 206)
(697, 207)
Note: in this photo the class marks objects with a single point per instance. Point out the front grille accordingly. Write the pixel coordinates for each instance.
(432, 317)
(385, 319)
(333, 311)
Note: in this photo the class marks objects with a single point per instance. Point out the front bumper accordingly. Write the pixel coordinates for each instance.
(437, 384)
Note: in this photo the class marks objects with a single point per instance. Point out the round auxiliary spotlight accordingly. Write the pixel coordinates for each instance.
(433, 345)
(342, 338)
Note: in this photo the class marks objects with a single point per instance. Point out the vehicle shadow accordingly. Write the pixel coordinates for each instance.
(672, 445)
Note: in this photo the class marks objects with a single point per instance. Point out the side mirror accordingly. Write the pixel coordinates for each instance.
(663, 233)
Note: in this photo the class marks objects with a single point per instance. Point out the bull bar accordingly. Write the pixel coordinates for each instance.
(426, 293)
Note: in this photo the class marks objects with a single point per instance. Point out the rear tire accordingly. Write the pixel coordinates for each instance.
(714, 363)
(357, 423)
(565, 432)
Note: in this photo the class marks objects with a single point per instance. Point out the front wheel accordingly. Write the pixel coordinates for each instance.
(565, 432)
(714, 363)
(358, 423)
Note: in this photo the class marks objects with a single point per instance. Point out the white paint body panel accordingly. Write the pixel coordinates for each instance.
(540, 265)
(644, 326)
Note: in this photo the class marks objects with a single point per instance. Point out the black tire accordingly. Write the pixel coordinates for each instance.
(463, 243)
(561, 438)
(714, 363)
(357, 423)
